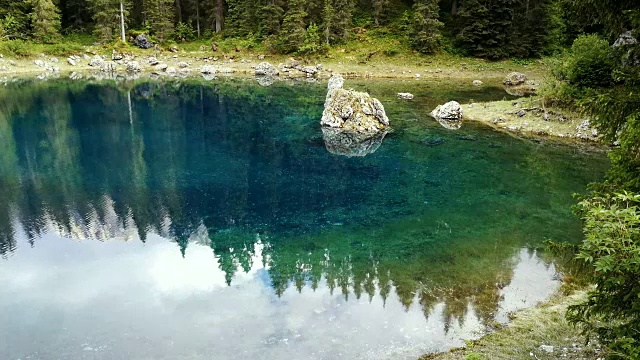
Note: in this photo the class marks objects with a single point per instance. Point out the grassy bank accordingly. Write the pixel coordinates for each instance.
(536, 333)
(366, 55)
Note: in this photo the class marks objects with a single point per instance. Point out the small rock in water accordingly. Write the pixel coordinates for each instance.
(477, 82)
(521, 113)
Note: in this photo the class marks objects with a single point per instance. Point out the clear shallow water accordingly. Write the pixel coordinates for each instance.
(187, 221)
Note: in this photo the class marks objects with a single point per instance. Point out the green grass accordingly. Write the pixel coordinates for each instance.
(531, 328)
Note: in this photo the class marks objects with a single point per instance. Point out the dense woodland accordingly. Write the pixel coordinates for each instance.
(484, 28)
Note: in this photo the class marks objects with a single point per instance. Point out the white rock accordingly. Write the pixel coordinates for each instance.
(71, 62)
(477, 82)
(183, 65)
(405, 96)
(208, 69)
(546, 348)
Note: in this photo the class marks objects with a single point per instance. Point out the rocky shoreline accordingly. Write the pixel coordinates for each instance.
(523, 117)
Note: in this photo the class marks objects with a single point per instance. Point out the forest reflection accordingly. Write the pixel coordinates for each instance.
(237, 168)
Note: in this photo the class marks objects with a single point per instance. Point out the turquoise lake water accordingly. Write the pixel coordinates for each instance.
(215, 220)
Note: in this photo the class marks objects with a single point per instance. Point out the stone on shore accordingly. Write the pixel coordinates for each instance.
(515, 78)
(266, 69)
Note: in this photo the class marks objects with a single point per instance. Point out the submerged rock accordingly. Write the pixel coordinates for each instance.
(477, 82)
(515, 78)
(266, 69)
(352, 110)
(351, 143)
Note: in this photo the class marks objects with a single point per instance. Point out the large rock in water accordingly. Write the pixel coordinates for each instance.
(352, 110)
(449, 115)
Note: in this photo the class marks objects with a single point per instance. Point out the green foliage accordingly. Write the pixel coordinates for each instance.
(425, 28)
(45, 20)
(184, 32)
(106, 15)
(293, 32)
(612, 249)
(160, 14)
(590, 63)
(14, 19)
(313, 43)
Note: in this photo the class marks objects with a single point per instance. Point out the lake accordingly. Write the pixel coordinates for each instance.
(193, 219)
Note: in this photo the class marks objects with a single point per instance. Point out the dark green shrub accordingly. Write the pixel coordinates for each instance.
(590, 63)
(184, 32)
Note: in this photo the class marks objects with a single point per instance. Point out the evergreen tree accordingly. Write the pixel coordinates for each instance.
(240, 19)
(272, 14)
(74, 13)
(342, 19)
(379, 10)
(45, 21)
(293, 31)
(425, 27)
(160, 16)
(485, 26)
(106, 14)
(14, 19)
(327, 19)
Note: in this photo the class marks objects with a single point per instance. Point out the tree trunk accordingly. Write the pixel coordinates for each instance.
(198, 17)
(179, 10)
(219, 15)
(454, 8)
(122, 22)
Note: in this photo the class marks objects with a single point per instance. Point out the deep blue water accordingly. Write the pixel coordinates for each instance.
(198, 220)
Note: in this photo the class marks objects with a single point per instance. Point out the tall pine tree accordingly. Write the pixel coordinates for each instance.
(425, 28)
(293, 29)
(106, 14)
(484, 27)
(160, 17)
(45, 21)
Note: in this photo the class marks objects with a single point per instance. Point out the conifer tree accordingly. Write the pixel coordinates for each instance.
(328, 14)
(106, 14)
(342, 20)
(425, 28)
(293, 30)
(45, 21)
(272, 14)
(14, 19)
(379, 10)
(160, 16)
(485, 26)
